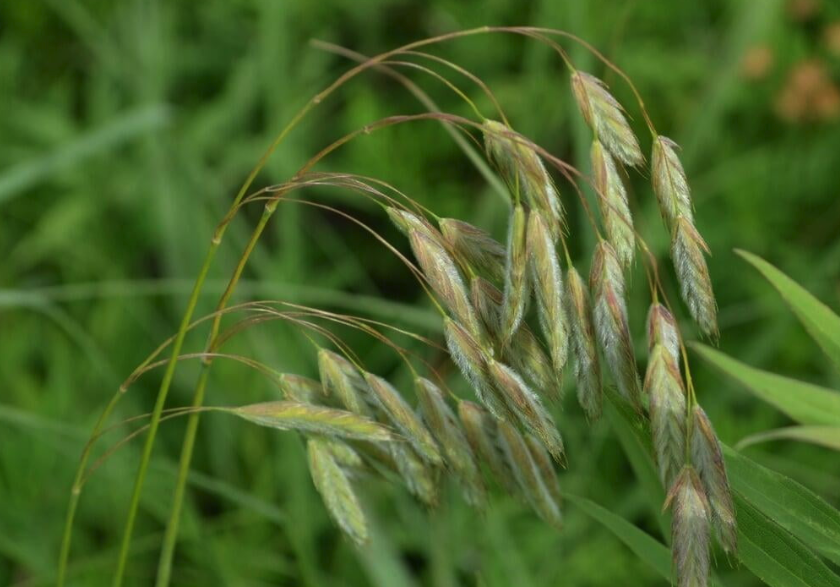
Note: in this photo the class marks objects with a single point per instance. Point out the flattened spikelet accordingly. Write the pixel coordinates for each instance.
(454, 445)
(669, 182)
(302, 389)
(547, 279)
(687, 250)
(419, 478)
(404, 418)
(524, 172)
(528, 475)
(667, 413)
(445, 279)
(516, 276)
(543, 462)
(480, 430)
(690, 529)
(527, 407)
(707, 457)
(475, 247)
(587, 367)
(336, 491)
(612, 200)
(340, 377)
(662, 329)
(610, 318)
(313, 419)
(605, 117)
(407, 221)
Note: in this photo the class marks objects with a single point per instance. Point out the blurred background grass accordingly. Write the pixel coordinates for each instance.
(126, 128)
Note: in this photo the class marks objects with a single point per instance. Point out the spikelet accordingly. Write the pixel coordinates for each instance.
(689, 529)
(663, 386)
(404, 418)
(335, 489)
(475, 247)
(707, 457)
(445, 279)
(516, 276)
(525, 352)
(662, 329)
(302, 389)
(605, 117)
(547, 280)
(340, 377)
(687, 250)
(545, 466)
(612, 199)
(480, 430)
(527, 407)
(312, 419)
(470, 359)
(587, 367)
(610, 318)
(419, 478)
(454, 445)
(669, 182)
(524, 172)
(342, 452)
(407, 221)
(528, 475)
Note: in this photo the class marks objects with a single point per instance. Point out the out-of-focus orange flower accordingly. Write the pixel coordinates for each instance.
(809, 94)
(803, 9)
(757, 62)
(831, 38)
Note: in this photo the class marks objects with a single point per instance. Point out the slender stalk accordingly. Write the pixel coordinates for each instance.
(168, 549)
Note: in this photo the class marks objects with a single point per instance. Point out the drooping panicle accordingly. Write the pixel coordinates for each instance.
(528, 475)
(339, 376)
(688, 250)
(419, 478)
(664, 389)
(404, 418)
(669, 182)
(708, 459)
(546, 468)
(690, 529)
(547, 280)
(662, 329)
(406, 221)
(332, 483)
(605, 117)
(587, 367)
(612, 200)
(480, 430)
(526, 406)
(445, 279)
(516, 275)
(610, 317)
(475, 247)
(455, 447)
(524, 172)
(302, 389)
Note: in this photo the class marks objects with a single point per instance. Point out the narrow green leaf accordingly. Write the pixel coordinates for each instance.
(285, 415)
(804, 402)
(645, 546)
(776, 557)
(792, 506)
(822, 324)
(827, 436)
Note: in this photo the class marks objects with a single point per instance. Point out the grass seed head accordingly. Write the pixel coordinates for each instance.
(407, 221)
(605, 117)
(582, 332)
(516, 276)
(546, 468)
(404, 418)
(335, 489)
(455, 447)
(708, 458)
(480, 251)
(340, 377)
(611, 327)
(664, 387)
(528, 475)
(612, 199)
(690, 529)
(481, 432)
(547, 280)
(662, 329)
(302, 389)
(669, 181)
(688, 250)
(419, 478)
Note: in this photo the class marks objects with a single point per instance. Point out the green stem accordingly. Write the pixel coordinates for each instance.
(168, 549)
